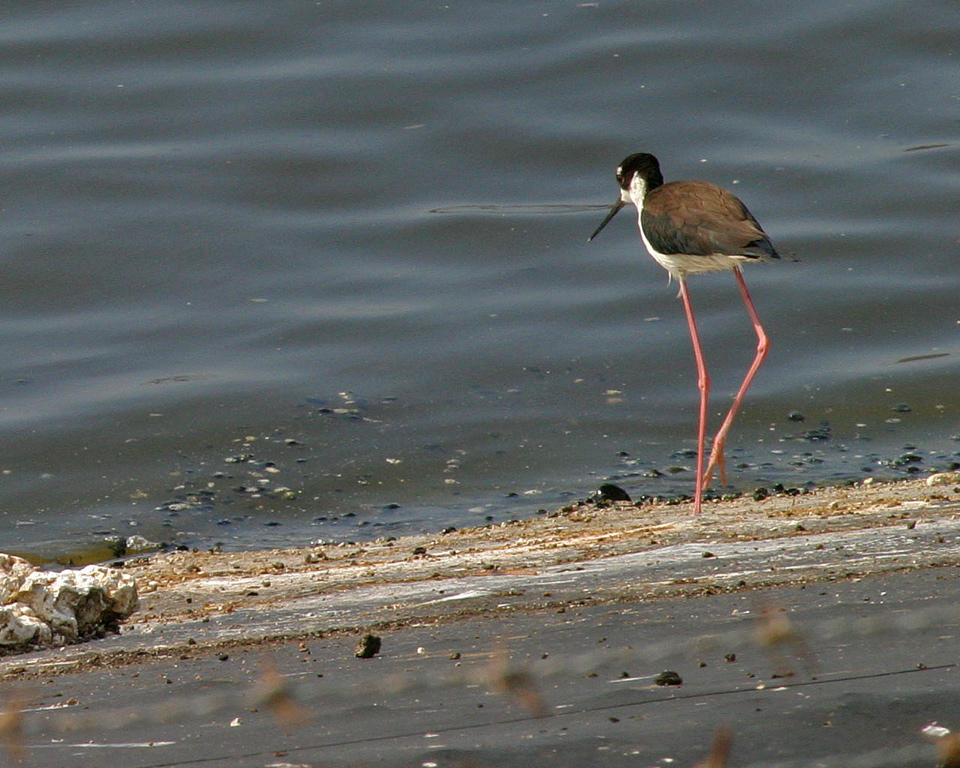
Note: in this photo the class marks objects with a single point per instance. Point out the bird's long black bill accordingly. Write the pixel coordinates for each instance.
(613, 212)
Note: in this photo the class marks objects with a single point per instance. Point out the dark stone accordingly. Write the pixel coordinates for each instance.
(368, 647)
(668, 677)
(610, 492)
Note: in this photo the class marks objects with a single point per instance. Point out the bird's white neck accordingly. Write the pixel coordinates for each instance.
(635, 192)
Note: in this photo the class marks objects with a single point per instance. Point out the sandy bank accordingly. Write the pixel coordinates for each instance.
(186, 585)
(584, 554)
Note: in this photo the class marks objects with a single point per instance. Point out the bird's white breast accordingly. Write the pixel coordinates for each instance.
(679, 265)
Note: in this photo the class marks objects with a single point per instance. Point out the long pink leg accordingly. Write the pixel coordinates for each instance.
(703, 383)
(717, 460)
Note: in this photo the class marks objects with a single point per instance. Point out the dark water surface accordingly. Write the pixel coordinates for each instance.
(279, 272)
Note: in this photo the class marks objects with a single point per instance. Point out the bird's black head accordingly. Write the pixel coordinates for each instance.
(648, 169)
(643, 163)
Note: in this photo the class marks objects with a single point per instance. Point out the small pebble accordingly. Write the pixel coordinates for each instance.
(368, 647)
(610, 492)
(668, 677)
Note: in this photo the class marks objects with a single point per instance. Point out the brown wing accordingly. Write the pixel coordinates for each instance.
(699, 219)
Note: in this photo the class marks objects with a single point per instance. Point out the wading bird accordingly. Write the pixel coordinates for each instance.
(690, 227)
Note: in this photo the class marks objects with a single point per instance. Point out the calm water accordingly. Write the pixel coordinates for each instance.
(288, 271)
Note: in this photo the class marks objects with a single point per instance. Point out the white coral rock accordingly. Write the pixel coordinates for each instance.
(43, 607)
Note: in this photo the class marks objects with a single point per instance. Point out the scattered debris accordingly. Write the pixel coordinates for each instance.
(773, 632)
(719, 751)
(950, 751)
(276, 694)
(518, 683)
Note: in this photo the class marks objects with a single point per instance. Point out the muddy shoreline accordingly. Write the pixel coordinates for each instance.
(198, 602)
(188, 584)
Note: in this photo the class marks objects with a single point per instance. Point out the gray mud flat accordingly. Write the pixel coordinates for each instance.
(582, 555)
(813, 630)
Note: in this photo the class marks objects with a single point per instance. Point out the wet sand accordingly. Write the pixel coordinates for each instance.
(583, 554)
(534, 643)
(582, 533)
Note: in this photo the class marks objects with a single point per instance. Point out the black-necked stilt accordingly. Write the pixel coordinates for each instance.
(691, 227)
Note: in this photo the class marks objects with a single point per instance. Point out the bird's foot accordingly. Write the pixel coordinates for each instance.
(717, 462)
